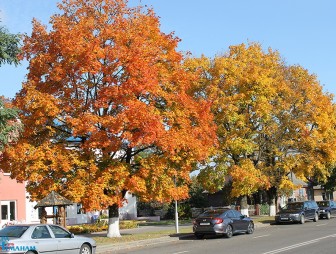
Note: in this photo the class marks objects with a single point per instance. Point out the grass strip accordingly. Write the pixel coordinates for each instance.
(101, 240)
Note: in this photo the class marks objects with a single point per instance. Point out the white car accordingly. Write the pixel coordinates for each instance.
(43, 238)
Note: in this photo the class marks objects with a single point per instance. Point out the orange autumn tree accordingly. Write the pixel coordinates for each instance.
(107, 108)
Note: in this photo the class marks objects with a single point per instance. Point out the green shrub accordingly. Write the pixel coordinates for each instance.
(100, 226)
(183, 209)
(103, 216)
(127, 224)
(264, 209)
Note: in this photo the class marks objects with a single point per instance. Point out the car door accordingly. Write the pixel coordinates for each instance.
(308, 210)
(239, 220)
(233, 220)
(43, 241)
(332, 208)
(66, 244)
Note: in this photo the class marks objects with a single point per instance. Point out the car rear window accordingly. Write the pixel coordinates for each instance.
(322, 203)
(294, 206)
(13, 231)
(213, 213)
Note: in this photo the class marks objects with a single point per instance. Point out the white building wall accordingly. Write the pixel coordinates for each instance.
(74, 216)
(32, 215)
(128, 211)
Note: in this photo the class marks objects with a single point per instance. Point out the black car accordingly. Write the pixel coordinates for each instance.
(224, 221)
(298, 212)
(327, 208)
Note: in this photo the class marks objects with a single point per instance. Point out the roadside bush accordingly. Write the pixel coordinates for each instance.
(183, 209)
(264, 209)
(100, 226)
(87, 228)
(127, 224)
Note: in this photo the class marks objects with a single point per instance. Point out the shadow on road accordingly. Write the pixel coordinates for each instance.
(184, 236)
(191, 236)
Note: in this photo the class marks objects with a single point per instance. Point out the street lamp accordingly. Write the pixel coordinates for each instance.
(176, 212)
(176, 218)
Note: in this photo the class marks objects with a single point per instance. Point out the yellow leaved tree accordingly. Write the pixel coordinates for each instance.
(272, 119)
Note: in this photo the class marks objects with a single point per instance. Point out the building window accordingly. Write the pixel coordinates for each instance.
(331, 196)
(327, 196)
(4, 214)
(80, 209)
(8, 210)
(12, 210)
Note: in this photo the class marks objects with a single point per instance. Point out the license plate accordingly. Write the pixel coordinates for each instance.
(284, 219)
(205, 223)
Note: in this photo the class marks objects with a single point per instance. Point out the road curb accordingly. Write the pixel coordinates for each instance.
(107, 248)
(135, 244)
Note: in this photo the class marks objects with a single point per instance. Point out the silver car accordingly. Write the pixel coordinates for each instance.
(43, 238)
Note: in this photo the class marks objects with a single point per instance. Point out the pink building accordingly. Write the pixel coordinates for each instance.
(12, 200)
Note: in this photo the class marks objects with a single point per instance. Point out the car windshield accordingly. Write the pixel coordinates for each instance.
(13, 231)
(322, 203)
(294, 206)
(212, 213)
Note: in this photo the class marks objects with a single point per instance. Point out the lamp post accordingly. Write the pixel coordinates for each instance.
(176, 218)
(176, 212)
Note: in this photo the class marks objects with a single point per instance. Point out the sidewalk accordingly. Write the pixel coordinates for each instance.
(110, 248)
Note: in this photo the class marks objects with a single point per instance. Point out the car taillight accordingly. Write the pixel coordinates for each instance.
(218, 220)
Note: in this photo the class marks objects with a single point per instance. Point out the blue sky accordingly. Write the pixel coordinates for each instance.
(303, 31)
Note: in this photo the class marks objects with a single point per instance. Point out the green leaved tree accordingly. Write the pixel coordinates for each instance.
(9, 50)
(9, 47)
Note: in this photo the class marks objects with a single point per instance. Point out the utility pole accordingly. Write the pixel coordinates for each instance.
(176, 212)
(176, 218)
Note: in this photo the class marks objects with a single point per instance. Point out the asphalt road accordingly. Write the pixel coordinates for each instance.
(309, 238)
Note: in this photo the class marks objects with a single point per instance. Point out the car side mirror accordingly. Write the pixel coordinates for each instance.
(72, 235)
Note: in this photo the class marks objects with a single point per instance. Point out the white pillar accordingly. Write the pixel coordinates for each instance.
(176, 218)
(272, 211)
(244, 211)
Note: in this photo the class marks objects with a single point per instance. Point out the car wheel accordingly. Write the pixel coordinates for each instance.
(250, 228)
(302, 219)
(328, 216)
(316, 217)
(85, 249)
(199, 236)
(229, 231)
(29, 252)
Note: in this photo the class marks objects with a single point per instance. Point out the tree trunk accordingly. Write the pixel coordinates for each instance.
(244, 206)
(272, 207)
(113, 222)
(272, 194)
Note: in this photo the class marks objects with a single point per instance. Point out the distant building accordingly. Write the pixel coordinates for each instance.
(12, 200)
(15, 206)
